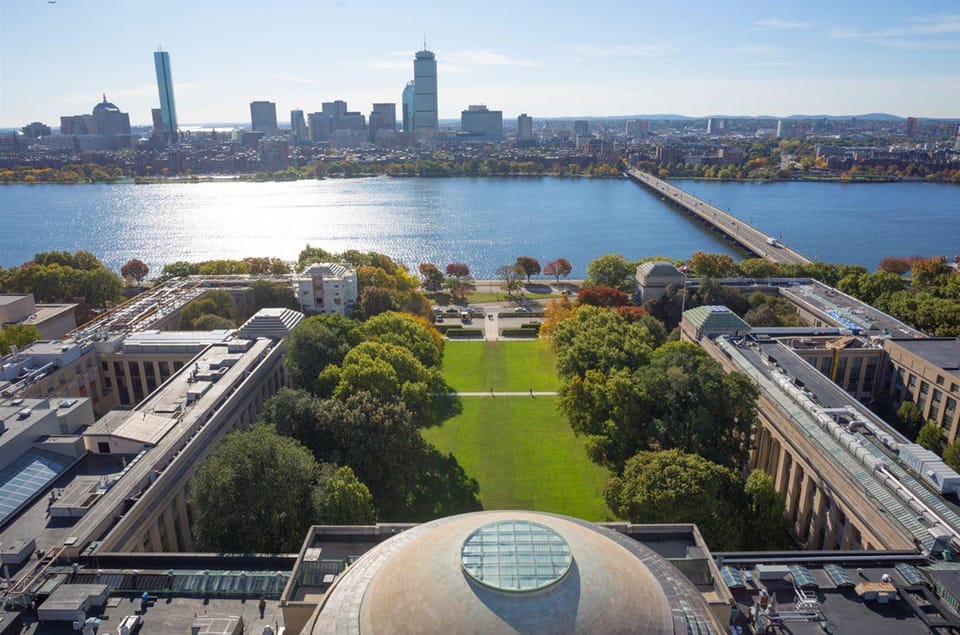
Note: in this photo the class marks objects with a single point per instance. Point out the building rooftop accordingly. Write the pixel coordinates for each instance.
(715, 318)
(942, 352)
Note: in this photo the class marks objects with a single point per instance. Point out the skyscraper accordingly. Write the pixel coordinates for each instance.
(298, 125)
(407, 102)
(168, 111)
(425, 95)
(263, 117)
(524, 127)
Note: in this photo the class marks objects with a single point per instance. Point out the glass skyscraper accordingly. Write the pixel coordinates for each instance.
(168, 111)
(425, 95)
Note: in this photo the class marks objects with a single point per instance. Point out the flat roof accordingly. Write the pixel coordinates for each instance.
(838, 606)
(941, 352)
(26, 477)
(139, 425)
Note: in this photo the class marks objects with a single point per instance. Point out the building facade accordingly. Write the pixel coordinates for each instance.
(425, 120)
(263, 117)
(168, 110)
(480, 122)
(298, 125)
(327, 288)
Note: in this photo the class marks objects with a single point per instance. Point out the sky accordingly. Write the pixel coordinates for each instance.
(548, 59)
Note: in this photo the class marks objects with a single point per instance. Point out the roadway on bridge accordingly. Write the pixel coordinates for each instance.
(744, 234)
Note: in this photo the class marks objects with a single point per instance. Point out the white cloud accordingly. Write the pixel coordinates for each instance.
(919, 33)
(623, 50)
(479, 57)
(777, 23)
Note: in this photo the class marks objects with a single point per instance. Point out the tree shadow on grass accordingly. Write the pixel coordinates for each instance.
(447, 406)
(443, 488)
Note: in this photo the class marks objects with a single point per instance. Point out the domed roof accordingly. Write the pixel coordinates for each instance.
(509, 572)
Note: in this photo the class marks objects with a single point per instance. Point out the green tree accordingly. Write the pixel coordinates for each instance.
(344, 500)
(758, 268)
(930, 436)
(264, 294)
(209, 322)
(910, 418)
(765, 530)
(612, 270)
(374, 301)
(19, 335)
(712, 265)
(315, 343)
(951, 455)
(600, 339)
(293, 412)
(214, 302)
(234, 494)
(414, 333)
(136, 269)
(179, 269)
(528, 266)
(100, 286)
(675, 487)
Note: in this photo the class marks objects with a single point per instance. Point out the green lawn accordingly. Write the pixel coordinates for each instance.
(524, 455)
(504, 366)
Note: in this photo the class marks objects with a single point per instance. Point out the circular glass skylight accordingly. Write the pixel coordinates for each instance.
(515, 556)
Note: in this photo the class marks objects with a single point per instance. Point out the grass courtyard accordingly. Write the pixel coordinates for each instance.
(503, 366)
(520, 449)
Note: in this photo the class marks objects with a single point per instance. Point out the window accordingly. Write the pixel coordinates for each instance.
(939, 380)
(951, 404)
(912, 382)
(103, 447)
(953, 387)
(937, 396)
(924, 388)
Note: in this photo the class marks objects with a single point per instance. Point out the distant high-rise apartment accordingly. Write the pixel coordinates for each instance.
(637, 127)
(298, 125)
(956, 142)
(581, 128)
(913, 126)
(321, 126)
(478, 121)
(524, 128)
(407, 104)
(384, 117)
(425, 95)
(780, 129)
(263, 117)
(168, 110)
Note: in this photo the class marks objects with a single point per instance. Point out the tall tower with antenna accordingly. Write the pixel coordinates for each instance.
(425, 94)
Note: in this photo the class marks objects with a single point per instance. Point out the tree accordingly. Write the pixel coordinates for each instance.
(432, 276)
(374, 301)
(758, 268)
(896, 265)
(19, 335)
(209, 322)
(264, 294)
(910, 417)
(136, 269)
(309, 255)
(511, 278)
(344, 500)
(414, 333)
(235, 494)
(766, 510)
(215, 302)
(458, 270)
(712, 265)
(596, 338)
(611, 270)
(557, 268)
(951, 455)
(379, 441)
(930, 436)
(314, 344)
(599, 295)
(528, 266)
(179, 269)
(675, 487)
(389, 373)
(99, 286)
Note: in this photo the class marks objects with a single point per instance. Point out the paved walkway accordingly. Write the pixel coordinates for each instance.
(498, 393)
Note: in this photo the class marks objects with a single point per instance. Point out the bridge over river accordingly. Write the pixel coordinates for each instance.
(748, 237)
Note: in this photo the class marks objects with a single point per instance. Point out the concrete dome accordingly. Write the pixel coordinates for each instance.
(429, 579)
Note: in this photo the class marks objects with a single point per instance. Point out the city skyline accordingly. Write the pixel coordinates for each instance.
(561, 60)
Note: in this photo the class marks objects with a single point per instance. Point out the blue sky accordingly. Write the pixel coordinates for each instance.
(548, 59)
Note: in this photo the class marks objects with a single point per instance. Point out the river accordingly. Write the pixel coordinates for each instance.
(484, 222)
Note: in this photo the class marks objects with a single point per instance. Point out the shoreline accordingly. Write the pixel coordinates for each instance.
(248, 178)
